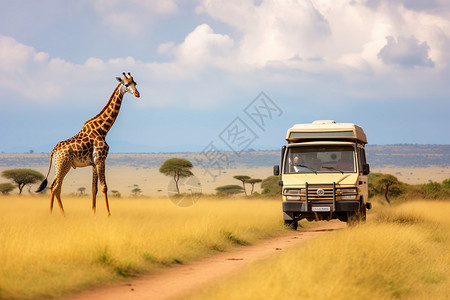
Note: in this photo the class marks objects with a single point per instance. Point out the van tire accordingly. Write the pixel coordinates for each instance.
(363, 213)
(291, 224)
(353, 217)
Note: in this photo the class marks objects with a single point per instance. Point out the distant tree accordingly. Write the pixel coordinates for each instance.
(243, 179)
(81, 190)
(116, 193)
(446, 183)
(22, 177)
(177, 168)
(387, 183)
(5, 188)
(229, 189)
(374, 189)
(136, 191)
(253, 181)
(270, 186)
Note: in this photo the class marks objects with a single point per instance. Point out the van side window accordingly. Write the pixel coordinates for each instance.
(361, 158)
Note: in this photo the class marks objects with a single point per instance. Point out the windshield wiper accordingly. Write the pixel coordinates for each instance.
(309, 168)
(333, 168)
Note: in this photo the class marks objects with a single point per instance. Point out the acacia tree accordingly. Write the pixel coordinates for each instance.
(22, 177)
(136, 191)
(386, 182)
(242, 178)
(82, 190)
(177, 168)
(253, 181)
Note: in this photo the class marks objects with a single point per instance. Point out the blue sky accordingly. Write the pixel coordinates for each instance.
(201, 67)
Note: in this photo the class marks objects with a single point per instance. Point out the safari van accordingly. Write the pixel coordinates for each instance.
(323, 173)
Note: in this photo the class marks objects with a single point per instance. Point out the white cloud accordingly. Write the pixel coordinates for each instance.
(20, 69)
(131, 16)
(166, 48)
(293, 44)
(406, 52)
(342, 33)
(38, 77)
(273, 30)
(203, 47)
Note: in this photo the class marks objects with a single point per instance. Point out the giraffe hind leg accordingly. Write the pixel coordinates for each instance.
(52, 195)
(62, 167)
(56, 192)
(94, 188)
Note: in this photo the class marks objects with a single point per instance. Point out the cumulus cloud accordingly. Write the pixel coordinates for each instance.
(272, 30)
(333, 37)
(21, 66)
(406, 52)
(39, 77)
(204, 47)
(288, 42)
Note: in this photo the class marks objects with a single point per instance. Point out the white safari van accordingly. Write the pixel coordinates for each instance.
(323, 173)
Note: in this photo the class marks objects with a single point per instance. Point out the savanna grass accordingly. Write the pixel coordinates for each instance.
(401, 254)
(45, 255)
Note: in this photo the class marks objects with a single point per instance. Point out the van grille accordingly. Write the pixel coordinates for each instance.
(321, 193)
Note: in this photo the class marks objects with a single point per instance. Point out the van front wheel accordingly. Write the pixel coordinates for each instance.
(363, 213)
(353, 217)
(291, 224)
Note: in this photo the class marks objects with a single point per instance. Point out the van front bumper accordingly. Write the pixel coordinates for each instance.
(292, 207)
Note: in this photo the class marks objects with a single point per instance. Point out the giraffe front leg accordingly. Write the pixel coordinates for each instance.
(94, 188)
(101, 175)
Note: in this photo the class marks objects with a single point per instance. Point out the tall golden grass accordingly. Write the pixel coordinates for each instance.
(45, 255)
(402, 254)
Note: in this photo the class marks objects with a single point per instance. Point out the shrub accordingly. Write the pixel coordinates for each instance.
(230, 189)
(270, 186)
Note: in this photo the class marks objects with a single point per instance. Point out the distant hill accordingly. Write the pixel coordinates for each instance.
(404, 155)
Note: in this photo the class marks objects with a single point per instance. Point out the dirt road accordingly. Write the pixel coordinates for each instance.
(176, 281)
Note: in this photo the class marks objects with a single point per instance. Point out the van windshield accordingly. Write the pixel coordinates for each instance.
(320, 159)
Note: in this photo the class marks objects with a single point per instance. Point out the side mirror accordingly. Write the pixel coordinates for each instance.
(276, 170)
(366, 169)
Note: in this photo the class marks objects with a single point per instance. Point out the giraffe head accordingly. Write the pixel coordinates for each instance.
(129, 84)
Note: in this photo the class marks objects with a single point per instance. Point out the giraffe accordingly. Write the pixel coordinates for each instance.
(88, 147)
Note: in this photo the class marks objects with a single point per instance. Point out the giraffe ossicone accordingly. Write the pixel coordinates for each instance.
(88, 147)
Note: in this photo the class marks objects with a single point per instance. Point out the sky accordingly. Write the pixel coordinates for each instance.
(229, 75)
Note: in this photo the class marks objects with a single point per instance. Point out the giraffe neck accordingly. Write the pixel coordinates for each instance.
(104, 120)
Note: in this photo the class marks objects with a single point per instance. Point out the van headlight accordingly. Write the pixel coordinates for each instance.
(349, 194)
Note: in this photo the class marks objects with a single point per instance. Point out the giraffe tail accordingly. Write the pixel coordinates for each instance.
(44, 183)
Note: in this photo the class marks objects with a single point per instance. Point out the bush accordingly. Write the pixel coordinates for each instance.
(230, 189)
(446, 183)
(270, 186)
(5, 188)
(401, 191)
